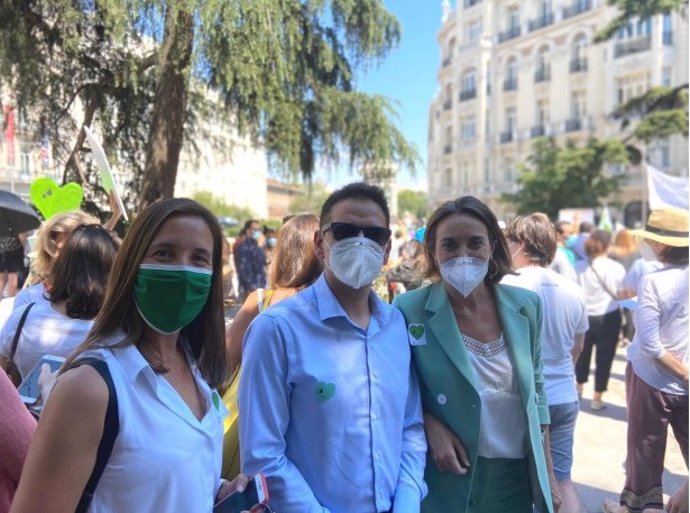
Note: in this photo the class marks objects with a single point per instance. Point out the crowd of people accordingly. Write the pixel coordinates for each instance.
(457, 388)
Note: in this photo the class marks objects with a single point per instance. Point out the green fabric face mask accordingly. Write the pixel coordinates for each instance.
(169, 297)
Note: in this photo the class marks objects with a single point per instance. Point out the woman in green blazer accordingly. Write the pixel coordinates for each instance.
(476, 348)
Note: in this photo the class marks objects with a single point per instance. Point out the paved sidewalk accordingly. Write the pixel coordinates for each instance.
(598, 470)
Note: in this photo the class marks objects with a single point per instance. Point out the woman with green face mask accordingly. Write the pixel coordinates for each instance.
(134, 416)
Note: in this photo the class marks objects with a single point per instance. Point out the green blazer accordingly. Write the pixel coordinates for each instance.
(449, 391)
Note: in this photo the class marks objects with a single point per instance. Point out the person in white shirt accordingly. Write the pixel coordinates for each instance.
(58, 325)
(160, 334)
(532, 242)
(656, 377)
(601, 279)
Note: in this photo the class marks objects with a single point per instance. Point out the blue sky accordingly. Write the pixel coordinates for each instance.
(408, 77)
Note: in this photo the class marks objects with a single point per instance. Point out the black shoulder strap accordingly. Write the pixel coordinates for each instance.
(111, 427)
(18, 332)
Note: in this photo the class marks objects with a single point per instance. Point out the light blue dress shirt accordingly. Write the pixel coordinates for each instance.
(331, 412)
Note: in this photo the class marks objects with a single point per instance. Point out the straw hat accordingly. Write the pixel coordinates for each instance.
(668, 226)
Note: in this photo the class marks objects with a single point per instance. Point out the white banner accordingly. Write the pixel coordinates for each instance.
(666, 190)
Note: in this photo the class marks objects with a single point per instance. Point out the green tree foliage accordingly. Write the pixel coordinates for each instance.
(310, 201)
(283, 72)
(414, 202)
(570, 177)
(661, 111)
(629, 9)
(222, 209)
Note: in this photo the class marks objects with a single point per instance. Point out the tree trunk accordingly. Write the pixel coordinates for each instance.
(169, 110)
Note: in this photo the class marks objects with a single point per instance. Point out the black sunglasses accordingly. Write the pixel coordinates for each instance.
(341, 231)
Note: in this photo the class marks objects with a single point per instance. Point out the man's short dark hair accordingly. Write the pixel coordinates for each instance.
(586, 227)
(356, 190)
(248, 225)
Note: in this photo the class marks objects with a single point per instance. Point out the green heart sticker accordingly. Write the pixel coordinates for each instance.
(417, 331)
(50, 199)
(324, 391)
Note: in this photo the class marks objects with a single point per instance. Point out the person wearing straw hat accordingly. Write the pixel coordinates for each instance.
(656, 376)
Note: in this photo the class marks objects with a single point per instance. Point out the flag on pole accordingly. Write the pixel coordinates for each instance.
(666, 190)
(605, 220)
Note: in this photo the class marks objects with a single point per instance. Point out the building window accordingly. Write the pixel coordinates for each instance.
(467, 129)
(511, 80)
(468, 85)
(474, 30)
(666, 76)
(667, 29)
(577, 110)
(665, 154)
(448, 177)
(578, 61)
(542, 71)
(514, 19)
(24, 164)
(511, 120)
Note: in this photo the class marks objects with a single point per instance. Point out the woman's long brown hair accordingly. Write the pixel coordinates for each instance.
(206, 333)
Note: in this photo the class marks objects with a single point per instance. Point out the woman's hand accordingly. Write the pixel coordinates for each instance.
(227, 487)
(447, 450)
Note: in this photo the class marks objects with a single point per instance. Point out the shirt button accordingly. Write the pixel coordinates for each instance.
(441, 398)
(374, 416)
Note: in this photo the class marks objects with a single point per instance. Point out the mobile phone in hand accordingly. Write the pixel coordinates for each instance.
(255, 494)
(29, 390)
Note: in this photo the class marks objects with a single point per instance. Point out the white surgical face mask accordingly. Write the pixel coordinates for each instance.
(647, 252)
(464, 273)
(356, 261)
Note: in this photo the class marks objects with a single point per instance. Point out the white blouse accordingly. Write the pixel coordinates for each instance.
(503, 422)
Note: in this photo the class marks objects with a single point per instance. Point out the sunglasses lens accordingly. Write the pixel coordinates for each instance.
(344, 230)
(378, 234)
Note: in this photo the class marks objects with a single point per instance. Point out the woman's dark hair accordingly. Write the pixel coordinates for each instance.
(499, 264)
(598, 243)
(80, 273)
(294, 262)
(205, 334)
(674, 255)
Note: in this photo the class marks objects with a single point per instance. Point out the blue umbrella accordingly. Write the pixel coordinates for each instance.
(16, 216)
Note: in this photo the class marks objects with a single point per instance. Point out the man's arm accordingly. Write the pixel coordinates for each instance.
(411, 488)
(264, 402)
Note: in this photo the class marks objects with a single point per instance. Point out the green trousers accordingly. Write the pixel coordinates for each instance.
(500, 486)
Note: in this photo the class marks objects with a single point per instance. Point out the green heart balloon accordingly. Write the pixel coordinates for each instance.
(50, 199)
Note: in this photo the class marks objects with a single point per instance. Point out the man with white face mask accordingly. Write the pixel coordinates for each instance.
(329, 406)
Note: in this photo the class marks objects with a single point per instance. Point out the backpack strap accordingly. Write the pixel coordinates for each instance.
(111, 427)
(12, 370)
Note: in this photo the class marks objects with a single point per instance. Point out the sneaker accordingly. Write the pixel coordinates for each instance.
(597, 405)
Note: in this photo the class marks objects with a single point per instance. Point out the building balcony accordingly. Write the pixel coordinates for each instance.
(446, 62)
(578, 7)
(578, 65)
(510, 84)
(542, 75)
(537, 131)
(641, 44)
(448, 148)
(505, 137)
(447, 105)
(471, 3)
(573, 125)
(667, 38)
(469, 94)
(511, 33)
(543, 21)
